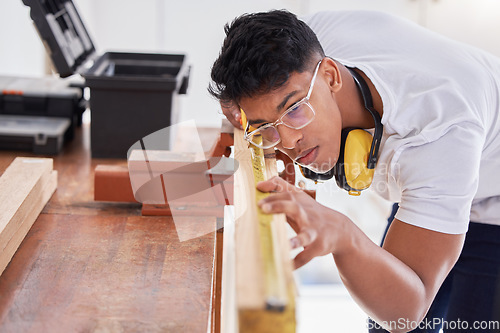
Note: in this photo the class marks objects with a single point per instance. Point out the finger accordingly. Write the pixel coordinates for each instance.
(287, 207)
(232, 113)
(295, 215)
(303, 258)
(237, 117)
(234, 119)
(276, 184)
(304, 238)
(293, 224)
(273, 197)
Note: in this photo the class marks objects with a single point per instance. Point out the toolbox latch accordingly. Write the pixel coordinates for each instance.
(40, 139)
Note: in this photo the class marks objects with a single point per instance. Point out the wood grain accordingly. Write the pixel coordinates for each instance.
(81, 273)
(36, 200)
(88, 266)
(25, 187)
(22, 177)
(249, 269)
(249, 276)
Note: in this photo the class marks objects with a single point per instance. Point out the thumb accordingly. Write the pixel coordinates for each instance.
(276, 184)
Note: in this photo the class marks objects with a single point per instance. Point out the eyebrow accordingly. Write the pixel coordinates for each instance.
(285, 100)
(257, 121)
(278, 108)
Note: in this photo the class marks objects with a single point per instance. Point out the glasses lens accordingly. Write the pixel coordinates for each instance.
(265, 137)
(298, 116)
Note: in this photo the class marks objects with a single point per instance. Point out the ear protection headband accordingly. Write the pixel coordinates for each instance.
(358, 151)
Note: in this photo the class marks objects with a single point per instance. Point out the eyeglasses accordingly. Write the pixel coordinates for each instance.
(296, 116)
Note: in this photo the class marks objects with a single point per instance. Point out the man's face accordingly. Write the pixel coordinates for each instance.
(315, 146)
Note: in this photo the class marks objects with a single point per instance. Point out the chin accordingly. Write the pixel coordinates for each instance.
(321, 167)
(326, 163)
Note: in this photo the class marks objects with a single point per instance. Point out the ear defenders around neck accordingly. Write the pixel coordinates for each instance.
(358, 156)
(351, 171)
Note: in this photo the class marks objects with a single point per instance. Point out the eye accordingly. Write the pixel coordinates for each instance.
(294, 111)
(299, 116)
(254, 126)
(257, 126)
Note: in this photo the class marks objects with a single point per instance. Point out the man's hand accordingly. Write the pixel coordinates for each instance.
(232, 113)
(318, 228)
(397, 281)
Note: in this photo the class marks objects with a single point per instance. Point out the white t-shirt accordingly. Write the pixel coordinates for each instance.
(440, 152)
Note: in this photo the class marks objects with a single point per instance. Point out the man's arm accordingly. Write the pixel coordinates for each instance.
(394, 284)
(397, 283)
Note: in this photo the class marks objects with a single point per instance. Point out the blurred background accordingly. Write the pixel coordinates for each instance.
(195, 28)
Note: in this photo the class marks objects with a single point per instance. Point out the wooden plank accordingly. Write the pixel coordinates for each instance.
(156, 162)
(23, 176)
(217, 278)
(229, 318)
(48, 188)
(249, 275)
(248, 257)
(24, 192)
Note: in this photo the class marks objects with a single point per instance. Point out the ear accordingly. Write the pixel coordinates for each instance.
(332, 72)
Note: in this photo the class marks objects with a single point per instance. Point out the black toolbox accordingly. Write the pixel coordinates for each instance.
(41, 135)
(47, 96)
(131, 94)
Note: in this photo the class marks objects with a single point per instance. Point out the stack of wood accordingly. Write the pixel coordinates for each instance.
(25, 187)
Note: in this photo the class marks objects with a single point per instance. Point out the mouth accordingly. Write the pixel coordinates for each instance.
(307, 156)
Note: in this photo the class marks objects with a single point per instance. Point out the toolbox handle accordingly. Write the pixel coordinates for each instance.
(185, 82)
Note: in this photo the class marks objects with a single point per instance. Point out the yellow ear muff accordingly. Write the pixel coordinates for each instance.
(356, 152)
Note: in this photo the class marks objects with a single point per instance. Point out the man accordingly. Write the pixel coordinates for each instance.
(439, 155)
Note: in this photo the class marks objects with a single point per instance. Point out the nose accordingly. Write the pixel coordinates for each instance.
(289, 136)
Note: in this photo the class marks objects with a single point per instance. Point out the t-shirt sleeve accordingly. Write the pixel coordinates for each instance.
(438, 180)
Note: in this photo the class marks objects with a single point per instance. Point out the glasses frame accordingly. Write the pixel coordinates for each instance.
(279, 121)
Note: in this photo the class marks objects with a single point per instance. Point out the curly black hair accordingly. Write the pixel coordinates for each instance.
(260, 52)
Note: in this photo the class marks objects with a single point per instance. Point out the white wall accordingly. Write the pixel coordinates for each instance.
(21, 52)
(195, 27)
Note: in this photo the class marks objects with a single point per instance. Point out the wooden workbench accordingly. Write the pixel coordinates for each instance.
(89, 266)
